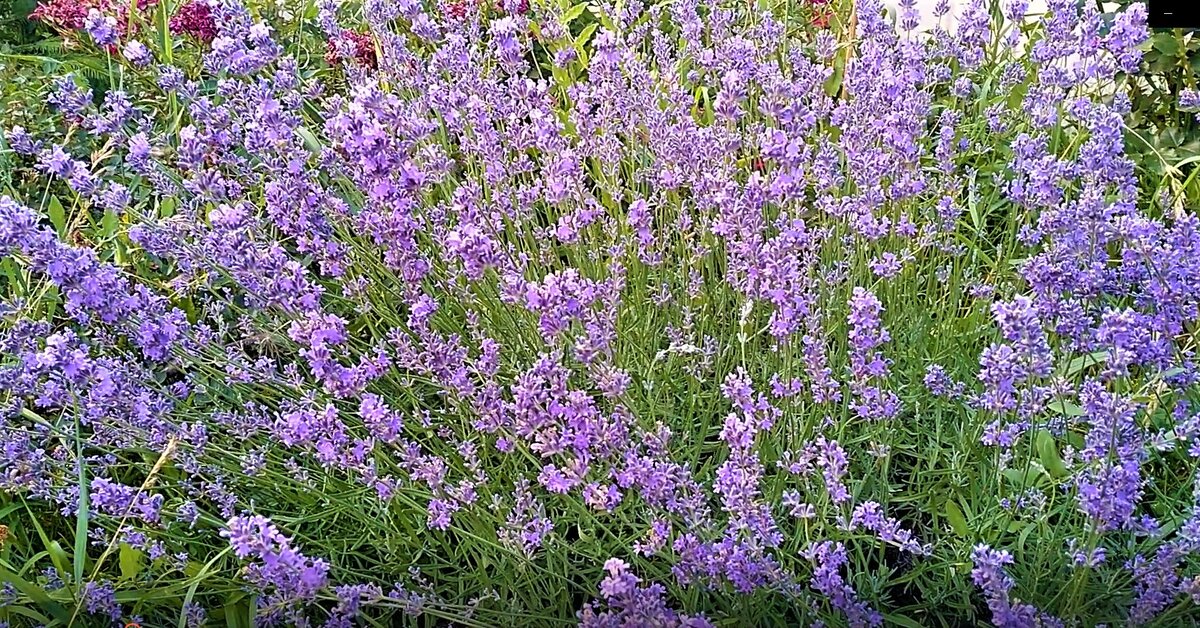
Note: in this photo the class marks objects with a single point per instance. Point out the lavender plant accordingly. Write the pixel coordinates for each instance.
(620, 314)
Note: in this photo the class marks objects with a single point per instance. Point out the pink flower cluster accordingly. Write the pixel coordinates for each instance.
(66, 14)
(361, 45)
(194, 19)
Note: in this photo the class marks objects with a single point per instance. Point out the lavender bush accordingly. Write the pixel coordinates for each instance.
(683, 314)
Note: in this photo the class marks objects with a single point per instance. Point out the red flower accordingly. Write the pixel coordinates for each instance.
(195, 19)
(822, 13)
(69, 15)
(458, 9)
(364, 49)
(65, 14)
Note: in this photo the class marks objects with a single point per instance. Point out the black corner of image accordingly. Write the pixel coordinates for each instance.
(1174, 13)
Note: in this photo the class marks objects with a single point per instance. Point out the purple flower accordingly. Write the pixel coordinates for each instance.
(102, 28)
(447, 282)
(1189, 99)
(22, 142)
(1085, 557)
(828, 558)
(275, 567)
(188, 513)
(989, 575)
(867, 365)
(118, 500)
(99, 598)
(869, 515)
(527, 525)
(940, 384)
(1111, 486)
(886, 265)
(137, 53)
(630, 603)
(69, 98)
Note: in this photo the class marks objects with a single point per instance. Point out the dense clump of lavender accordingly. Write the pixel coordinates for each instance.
(633, 292)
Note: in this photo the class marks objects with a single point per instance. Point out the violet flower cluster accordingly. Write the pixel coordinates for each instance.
(671, 289)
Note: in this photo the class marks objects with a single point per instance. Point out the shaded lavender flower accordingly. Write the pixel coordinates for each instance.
(1157, 581)
(505, 36)
(118, 500)
(1022, 328)
(171, 78)
(886, 265)
(527, 525)
(69, 98)
(1189, 99)
(100, 598)
(796, 506)
(102, 28)
(1085, 557)
(868, 365)
(870, 515)
(278, 569)
(989, 575)
(187, 513)
(940, 384)
(641, 221)
(559, 299)
(93, 291)
(195, 615)
(115, 198)
(831, 459)
(1000, 371)
(828, 558)
(54, 581)
(626, 602)
(1124, 39)
(384, 423)
(22, 142)
(137, 53)
(1111, 486)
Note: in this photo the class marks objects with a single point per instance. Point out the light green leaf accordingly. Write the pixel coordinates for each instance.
(310, 141)
(584, 36)
(1166, 43)
(1023, 479)
(82, 512)
(30, 613)
(1065, 408)
(58, 556)
(901, 620)
(131, 560)
(573, 13)
(109, 224)
(1049, 455)
(1084, 361)
(58, 217)
(954, 515)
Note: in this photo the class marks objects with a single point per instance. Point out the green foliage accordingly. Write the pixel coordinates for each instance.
(1160, 136)
(15, 27)
(931, 478)
(1170, 65)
